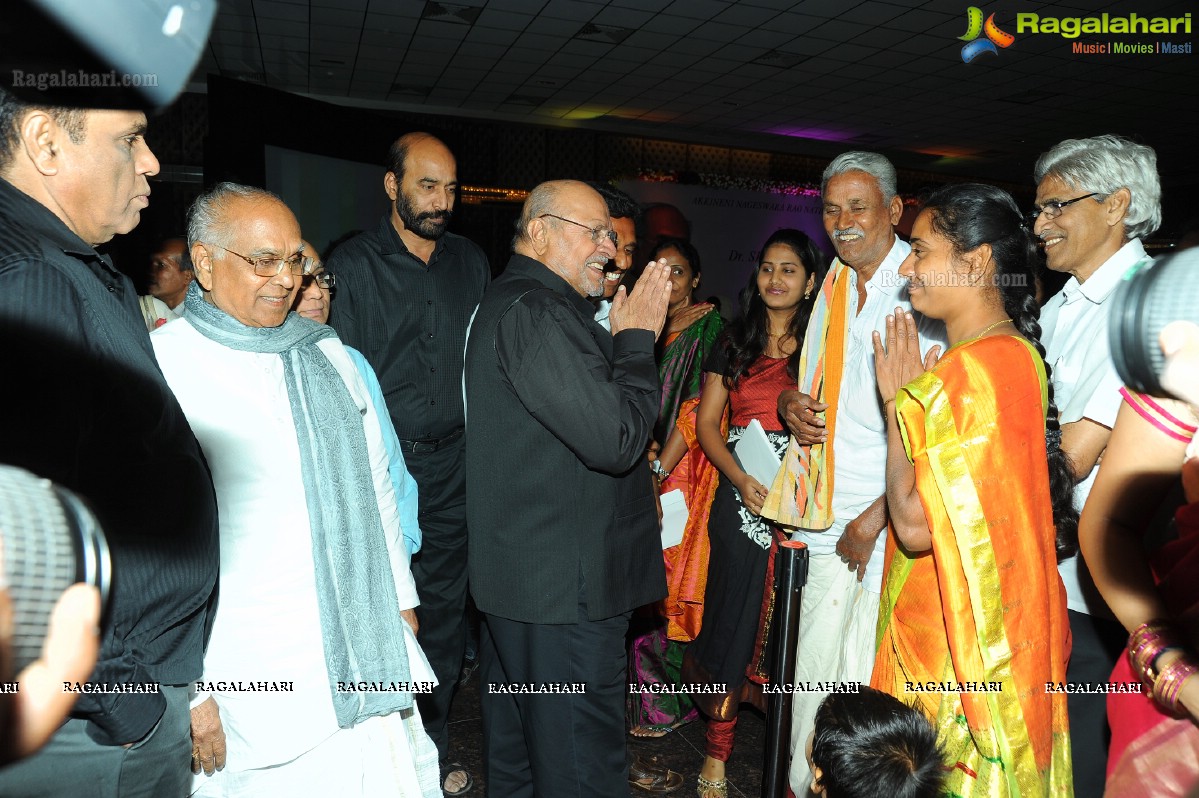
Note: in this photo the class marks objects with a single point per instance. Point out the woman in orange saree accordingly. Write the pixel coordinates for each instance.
(972, 621)
(659, 633)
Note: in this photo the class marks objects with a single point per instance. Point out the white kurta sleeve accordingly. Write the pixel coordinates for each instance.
(384, 492)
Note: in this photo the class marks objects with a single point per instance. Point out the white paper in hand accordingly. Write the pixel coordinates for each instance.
(756, 454)
(674, 518)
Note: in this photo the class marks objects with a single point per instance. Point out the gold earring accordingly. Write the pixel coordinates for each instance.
(807, 294)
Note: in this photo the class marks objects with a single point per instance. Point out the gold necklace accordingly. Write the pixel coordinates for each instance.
(988, 328)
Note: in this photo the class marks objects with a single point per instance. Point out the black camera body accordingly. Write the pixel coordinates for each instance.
(49, 540)
(1150, 297)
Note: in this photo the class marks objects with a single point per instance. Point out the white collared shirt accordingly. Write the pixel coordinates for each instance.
(860, 442)
(603, 309)
(1074, 326)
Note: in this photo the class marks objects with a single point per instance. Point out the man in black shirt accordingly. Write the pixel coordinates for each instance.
(405, 294)
(87, 407)
(563, 530)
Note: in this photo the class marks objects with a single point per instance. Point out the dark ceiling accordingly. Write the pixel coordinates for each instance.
(815, 77)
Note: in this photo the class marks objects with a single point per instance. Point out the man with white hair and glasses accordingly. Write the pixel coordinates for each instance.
(1096, 199)
(310, 673)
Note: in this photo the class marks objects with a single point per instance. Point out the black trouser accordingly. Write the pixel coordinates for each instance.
(1097, 643)
(545, 745)
(72, 763)
(439, 569)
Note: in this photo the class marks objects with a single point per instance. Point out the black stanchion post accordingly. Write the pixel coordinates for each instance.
(790, 575)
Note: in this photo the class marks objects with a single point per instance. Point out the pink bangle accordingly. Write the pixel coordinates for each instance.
(1146, 643)
(1169, 683)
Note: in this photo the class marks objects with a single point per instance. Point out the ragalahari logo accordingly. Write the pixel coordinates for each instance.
(975, 28)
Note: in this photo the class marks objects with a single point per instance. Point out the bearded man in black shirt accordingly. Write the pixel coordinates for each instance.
(405, 294)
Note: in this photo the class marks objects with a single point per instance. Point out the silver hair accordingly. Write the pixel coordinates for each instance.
(1104, 165)
(872, 163)
(204, 218)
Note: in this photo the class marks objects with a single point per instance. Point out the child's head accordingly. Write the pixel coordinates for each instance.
(871, 745)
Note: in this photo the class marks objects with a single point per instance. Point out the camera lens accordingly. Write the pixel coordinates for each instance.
(49, 540)
(1150, 297)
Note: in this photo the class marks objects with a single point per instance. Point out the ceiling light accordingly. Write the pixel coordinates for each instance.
(604, 34)
(451, 12)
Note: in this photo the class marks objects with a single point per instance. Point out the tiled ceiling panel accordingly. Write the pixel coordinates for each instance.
(803, 76)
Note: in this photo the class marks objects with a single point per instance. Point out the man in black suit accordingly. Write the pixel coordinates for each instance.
(563, 531)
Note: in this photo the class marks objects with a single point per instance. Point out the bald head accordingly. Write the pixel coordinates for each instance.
(541, 200)
(401, 148)
(565, 225)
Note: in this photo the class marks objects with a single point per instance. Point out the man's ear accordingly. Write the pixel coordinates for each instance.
(391, 185)
(896, 209)
(202, 265)
(41, 138)
(538, 233)
(1117, 206)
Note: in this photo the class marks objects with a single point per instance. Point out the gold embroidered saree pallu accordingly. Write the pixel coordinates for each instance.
(687, 563)
(802, 493)
(975, 628)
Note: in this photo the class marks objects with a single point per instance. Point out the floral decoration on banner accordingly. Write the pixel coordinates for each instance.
(714, 180)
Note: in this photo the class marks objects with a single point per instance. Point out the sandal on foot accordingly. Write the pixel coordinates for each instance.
(649, 776)
(720, 787)
(658, 730)
(455, 767)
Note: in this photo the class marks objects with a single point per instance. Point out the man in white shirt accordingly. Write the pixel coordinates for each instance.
(1096, 199)
(311, 669)
(170, 273)
(840, 603)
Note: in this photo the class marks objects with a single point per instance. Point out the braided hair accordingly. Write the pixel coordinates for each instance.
(969, 215)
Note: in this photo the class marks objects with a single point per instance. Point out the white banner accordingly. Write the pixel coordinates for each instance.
(728, 227)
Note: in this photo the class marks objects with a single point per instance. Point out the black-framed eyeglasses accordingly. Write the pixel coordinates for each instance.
(325, 280)
(1053, 209)
(272, 266)
(597, 233)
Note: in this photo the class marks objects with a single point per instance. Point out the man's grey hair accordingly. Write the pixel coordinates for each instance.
(1104, 165)
(542, 200)
(872, 163)
(204, 218)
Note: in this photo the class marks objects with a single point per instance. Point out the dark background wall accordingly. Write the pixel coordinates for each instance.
(222, 135)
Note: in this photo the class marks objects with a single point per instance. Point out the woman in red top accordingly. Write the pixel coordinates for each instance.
(753, 362)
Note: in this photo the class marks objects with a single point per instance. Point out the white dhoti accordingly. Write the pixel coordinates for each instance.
(383, 756)
(837, 626)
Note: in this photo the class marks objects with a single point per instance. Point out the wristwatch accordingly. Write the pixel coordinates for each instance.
(659, 471)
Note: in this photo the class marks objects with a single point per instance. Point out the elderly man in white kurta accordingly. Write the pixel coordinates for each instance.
(309, 675)
(838, 504)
